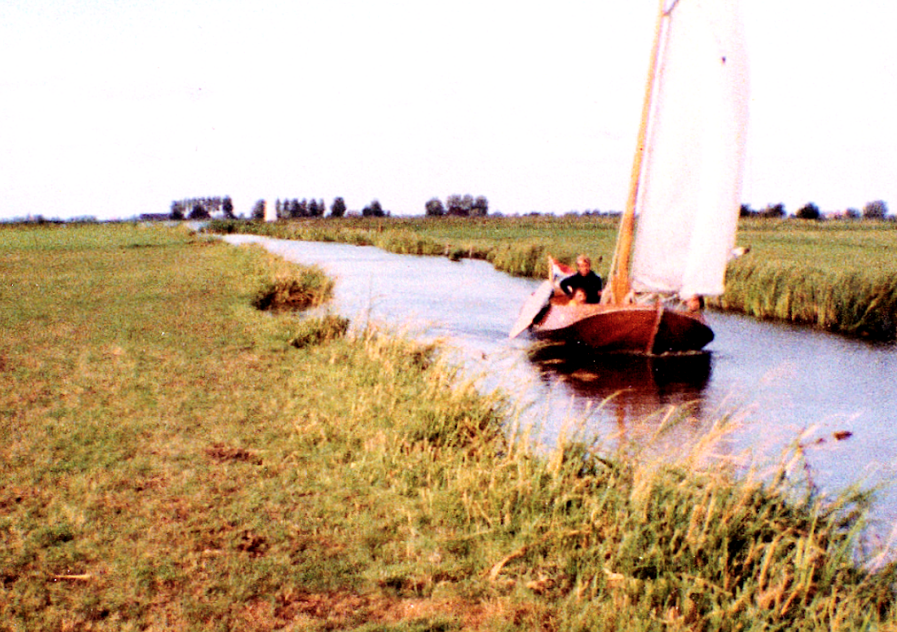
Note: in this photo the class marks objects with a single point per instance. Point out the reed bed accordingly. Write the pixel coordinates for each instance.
(286, 288)
(862, 304)
(839, 276)
(171, 462)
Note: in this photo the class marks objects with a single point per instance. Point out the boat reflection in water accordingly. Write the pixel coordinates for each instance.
(650, 382)
(633, 396)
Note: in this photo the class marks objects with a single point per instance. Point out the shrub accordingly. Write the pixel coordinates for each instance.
(875, 210)
(808, 211)
(293, 287)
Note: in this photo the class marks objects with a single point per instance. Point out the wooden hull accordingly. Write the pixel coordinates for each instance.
(649, 329)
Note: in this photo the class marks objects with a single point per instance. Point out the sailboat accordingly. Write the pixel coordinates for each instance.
(678, 228)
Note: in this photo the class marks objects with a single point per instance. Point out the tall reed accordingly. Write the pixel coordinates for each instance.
(856, 303)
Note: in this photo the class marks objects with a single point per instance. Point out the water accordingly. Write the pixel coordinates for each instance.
(783, 384)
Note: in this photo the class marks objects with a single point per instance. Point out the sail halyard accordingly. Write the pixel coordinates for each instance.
(619, 284)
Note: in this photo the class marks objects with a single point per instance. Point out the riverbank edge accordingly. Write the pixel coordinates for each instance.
(857, 303)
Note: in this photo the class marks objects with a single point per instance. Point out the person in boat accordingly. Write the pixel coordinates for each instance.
(694, 303)
(584, 279)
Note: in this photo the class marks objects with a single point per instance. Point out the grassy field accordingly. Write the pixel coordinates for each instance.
(176, 459)
(840, 276)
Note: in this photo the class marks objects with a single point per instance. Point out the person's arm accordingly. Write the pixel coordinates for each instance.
(567, 286)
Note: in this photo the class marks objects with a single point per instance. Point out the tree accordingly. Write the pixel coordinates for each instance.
(808, 211)
(434, 208)
(258, 210)
(466, 206)
(453, 205)
(198, 212)
(177, 211)
(338, 208)
(228, 207)
(774, 210)
(373, 210)
(459, 205)
(480, 207)
(746, 211)
(875, 210)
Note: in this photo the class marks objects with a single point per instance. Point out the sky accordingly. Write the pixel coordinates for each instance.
(113, 108)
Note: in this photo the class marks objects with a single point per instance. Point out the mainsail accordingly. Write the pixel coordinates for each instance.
(689, 192)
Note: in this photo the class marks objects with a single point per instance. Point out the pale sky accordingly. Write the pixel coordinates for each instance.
(116, 108)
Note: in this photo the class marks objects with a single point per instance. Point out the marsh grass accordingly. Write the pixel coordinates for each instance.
(839, 280)
(286, 288)
(318, 329)
(170, 462)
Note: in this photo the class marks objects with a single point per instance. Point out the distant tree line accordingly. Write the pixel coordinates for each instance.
(873, 210)
(458, 205)
(771, 210)
(296, 209)
(202, 208)
(466, 205)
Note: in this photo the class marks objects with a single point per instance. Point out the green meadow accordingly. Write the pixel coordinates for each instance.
(840, 276)
(183, 450)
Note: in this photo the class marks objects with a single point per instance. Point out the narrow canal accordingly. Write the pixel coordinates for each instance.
(778, 385)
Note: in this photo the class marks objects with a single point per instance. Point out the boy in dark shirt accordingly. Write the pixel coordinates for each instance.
(584, 279)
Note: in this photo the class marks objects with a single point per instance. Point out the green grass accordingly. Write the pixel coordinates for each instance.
(840, 276)
(171, 461)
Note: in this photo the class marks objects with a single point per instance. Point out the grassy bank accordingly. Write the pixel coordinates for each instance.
(172, 461)
(840, 275)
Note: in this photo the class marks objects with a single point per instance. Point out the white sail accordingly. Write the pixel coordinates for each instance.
(690, 191)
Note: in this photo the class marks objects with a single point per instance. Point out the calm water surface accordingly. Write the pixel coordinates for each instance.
(782, 384)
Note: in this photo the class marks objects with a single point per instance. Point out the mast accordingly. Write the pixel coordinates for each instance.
(618, 282)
